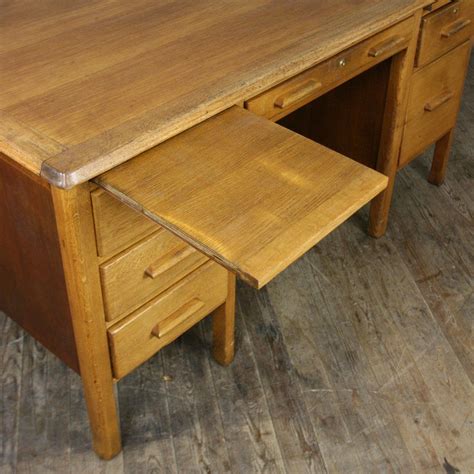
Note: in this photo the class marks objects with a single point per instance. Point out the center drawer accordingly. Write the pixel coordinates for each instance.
(138, 274)
(292, 94)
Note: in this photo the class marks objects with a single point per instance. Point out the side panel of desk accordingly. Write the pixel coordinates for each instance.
(32, 285)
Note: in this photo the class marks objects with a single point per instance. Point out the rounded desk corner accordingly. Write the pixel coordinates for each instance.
(58, 179)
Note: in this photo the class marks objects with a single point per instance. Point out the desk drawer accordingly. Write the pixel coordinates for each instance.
(435, 6)
(434, 100)
(136, 338)
(135, 276)
(116, 225)
(294, 93)
(445, 29)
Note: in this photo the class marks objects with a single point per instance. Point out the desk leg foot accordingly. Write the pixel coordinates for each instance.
(440, 159)
(223, 327)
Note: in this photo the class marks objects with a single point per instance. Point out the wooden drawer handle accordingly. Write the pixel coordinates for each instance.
(387, 46)
(297, 94)
(455, 28)
(178, 317)
(168, 261)
(439, 101)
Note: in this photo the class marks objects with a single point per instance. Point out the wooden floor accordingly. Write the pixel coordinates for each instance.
(358, 359)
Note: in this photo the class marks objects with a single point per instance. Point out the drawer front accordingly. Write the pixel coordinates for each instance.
(136, 338)
(435, 96)
(294, 93)
(135, 276)
(116, 225)
(445, 29)
(436, 5)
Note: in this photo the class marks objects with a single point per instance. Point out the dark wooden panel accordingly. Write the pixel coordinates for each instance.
(349, 118)
(32, 286)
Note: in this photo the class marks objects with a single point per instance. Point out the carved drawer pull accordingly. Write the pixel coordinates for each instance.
(455, 28)
(168, 261)
(439, 101)
(387, 46)
(178, 317)
(297, 94)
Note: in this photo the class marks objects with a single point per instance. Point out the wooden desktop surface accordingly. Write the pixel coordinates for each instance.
(87, 85)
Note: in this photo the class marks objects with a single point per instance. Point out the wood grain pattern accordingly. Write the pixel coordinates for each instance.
(32, 282)
(401, 70)
(325, 337)
(292, 94)
(349, 118)
(223, 326)
(100, 80)
(445, 29)
(127, 279)
(75, 225)
(435, 97)
(435, 6)
(259, 200)
(136, 338)
(439, 165)
(116, 225)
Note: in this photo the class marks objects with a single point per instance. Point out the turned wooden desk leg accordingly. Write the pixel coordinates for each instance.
(440, 159)
(392, 131)
(76, 233)
(223, 327)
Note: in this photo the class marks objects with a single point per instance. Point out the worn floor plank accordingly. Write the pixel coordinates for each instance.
(196, 427)
(11, 349)
(359, 358)
(145, 421)
(248, 426)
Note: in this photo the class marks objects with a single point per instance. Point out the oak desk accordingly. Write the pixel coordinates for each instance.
(134, 185)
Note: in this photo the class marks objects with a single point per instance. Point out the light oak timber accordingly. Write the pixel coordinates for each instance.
(140, 335)
(76, 232)
(440, 159)
(356, 108)
(311, 353)
(222, 53)
(392, 132)
(117, 226)
(445, 29)
(73, 125)
(302, 89)
(29, 147)
(435, 98)
(138, 274)
(435, 5)
(223, 326)
(260, 200)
